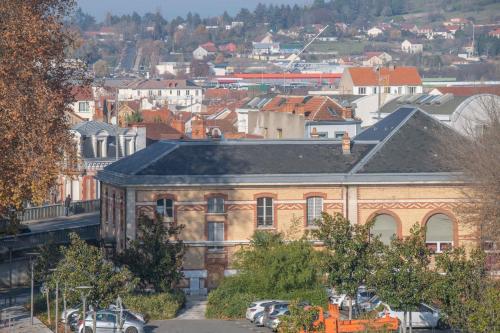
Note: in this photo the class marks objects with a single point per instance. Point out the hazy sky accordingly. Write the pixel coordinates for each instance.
(173, 8)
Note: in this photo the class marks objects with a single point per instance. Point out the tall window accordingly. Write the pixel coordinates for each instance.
(314, 209)
(387, 90)
(265, 212)
(83, 107)
(165, 207)
(362, 90)
(100, 148)
(178, 92)
(187, 92)
(385, 227)
(279, 133)
(439, 233)
(216, 234)
(413, 90)
(216, 205)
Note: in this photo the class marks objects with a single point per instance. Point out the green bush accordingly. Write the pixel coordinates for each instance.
(269, 269)
(157, 306)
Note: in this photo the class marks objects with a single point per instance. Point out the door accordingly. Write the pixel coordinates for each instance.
(105, 323)
(426, 317)
(194, 286)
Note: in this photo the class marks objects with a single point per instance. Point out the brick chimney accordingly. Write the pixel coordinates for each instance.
(179, 125)
(314, 133)
(346, 144)
(347, 112)
(198, 130)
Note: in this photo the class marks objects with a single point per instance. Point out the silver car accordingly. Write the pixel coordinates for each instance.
(107, 322)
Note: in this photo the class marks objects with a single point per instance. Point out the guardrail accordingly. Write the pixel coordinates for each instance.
(50, 211)
(58, 236)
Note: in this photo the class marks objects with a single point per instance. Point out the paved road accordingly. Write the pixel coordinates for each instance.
(64, 222)
(203, 326)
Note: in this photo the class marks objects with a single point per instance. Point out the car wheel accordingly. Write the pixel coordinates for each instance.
(442, 325)
(88, 330)
(131, 330)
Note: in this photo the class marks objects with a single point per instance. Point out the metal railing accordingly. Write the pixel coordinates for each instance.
(50, 211)
(60, 236)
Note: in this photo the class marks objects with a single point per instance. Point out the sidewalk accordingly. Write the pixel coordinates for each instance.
(20, 322)
(194, 308)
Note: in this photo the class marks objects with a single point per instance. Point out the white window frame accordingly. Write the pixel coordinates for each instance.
(215, 233)
(86, 107)
(264, 203)
(362, 90)
(312, 212)
(215, 205)
(163, 212)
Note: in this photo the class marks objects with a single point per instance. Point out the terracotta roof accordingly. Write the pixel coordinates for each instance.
(398, 76)
(81, 93)
(224, 94)
(224, 125)
(157, 84)
(470, 90)
(161, 131)
(316, 108)
(155, 116)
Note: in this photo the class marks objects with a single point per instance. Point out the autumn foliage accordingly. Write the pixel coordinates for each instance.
(35, 85)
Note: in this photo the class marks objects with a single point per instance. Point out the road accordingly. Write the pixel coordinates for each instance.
(64, 222)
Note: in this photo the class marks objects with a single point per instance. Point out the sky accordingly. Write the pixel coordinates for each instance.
(172, 8)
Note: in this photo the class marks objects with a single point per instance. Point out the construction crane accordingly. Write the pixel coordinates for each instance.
(296, 56)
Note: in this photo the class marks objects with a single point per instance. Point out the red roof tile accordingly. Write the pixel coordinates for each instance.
(470, 90)
(81, 93)
(398, 76)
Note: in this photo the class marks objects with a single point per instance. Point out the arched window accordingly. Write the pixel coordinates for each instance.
(165, 207)
(439, 233)
(386, 227)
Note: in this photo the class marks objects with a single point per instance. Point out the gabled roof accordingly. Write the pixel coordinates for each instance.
(433, 104)
(82, 93)
(397, 76)
(470, 90)
(93, 127)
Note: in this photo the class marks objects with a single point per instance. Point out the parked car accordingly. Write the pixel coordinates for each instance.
(262, 317)
(257, 307)
(364, 296)
(425, 316)
(107, 321)
(370, 305)
(70, 311)
(274, 318)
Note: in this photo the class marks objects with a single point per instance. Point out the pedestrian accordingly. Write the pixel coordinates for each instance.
(67, 204)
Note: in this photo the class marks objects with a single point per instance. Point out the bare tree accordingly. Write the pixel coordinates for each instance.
(477, 154)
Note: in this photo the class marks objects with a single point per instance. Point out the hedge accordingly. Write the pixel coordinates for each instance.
(158, 306)
(230, 300)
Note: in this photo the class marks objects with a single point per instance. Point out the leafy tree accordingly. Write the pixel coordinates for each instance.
(349, 254)
(155, 257)
(402, 277)
(460, 287)
(487, 311)
(84, 265)
(35, 90)
(50, 255)
(101, 68)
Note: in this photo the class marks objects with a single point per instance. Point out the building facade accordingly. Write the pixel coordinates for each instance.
(223, 191)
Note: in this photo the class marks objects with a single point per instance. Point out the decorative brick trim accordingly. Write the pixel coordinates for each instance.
(314, 194)
(409, 205)
(291, 206)
(333, 206)
(190, 208)
(233, 207)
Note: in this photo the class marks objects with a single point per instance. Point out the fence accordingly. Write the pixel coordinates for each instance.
(60, 236)
(50, 211)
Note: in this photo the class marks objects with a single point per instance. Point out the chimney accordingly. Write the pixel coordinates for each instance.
(346, 144)
(179, 125)
(198, 128)
(347, 112)
(314, 133)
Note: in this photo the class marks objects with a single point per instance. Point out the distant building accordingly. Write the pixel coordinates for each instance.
(265, 48)
(412, 48)
(374, 32)
(96, 148)
(391, 80)
(173, 67)
(494, 33)
(376, 58)
(204, 51)
(84, 105)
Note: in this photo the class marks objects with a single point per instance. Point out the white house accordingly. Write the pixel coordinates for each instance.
(412, 48)
(390, 80)
(265, 48)
(204, 51)
(173, 68)
(84, 105)
(163, 92)
(374, 32)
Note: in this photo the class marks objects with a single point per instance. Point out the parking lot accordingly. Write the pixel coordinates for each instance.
(221, 326)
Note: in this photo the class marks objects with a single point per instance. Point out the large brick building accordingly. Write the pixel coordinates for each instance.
(222, 191)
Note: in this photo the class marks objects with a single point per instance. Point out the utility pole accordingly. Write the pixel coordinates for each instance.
(379, 69)
(117, 108)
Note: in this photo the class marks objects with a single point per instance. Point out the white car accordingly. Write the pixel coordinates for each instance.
(425, 316)
(257, 307)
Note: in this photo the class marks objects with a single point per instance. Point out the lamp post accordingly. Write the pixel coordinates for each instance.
(32, 263)
(84, 300)
(9, 246)
(57, 299)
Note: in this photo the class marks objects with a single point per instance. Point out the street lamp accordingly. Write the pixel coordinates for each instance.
(32, 264)
(84, 299)
(9, 246)
(57, 297)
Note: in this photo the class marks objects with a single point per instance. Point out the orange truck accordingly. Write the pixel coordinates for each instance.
(333, 323)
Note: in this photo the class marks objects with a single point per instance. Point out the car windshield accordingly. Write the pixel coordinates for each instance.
(253, 305)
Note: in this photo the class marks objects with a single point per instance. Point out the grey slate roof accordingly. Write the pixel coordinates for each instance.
(435, 105)
(405, 145)
(94, 127)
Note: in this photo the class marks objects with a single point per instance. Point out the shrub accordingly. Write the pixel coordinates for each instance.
(157, 306)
